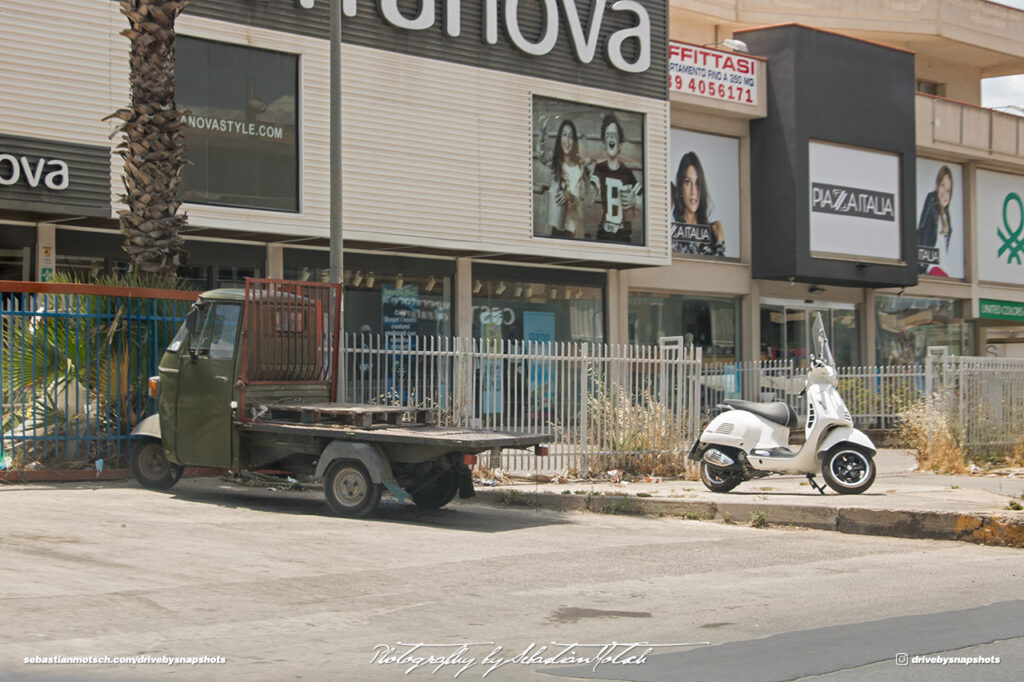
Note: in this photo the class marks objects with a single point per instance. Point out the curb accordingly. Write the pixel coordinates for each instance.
(79, 475)
(1005, 530)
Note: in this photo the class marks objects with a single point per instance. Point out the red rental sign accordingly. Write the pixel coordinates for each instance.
(711, 73)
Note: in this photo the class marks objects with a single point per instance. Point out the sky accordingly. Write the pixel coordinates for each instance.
(1008, 90)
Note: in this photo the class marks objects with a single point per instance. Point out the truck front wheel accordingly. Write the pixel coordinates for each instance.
(150, 466)
(349, 489)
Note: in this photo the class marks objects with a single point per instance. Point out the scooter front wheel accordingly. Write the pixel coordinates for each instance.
(848, 470)
(717, 479)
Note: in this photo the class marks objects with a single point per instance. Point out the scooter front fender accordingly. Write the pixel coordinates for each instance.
(847, 434)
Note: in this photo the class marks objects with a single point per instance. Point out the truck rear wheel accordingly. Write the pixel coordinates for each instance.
(349, 490)
(151, 467)
(438, 492)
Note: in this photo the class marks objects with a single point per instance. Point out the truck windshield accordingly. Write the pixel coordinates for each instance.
(179, 337)
(217, 330)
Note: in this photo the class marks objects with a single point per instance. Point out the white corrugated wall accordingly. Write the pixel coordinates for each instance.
(436, 154)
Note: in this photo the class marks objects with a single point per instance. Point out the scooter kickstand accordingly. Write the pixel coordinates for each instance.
(814, 484)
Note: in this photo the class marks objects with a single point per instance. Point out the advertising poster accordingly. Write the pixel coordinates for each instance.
(400, 319)
(705, 191)
(491, 385)
(539, 329)
(854, 202)
(940, 218)
(588, 172)
(1000, 227)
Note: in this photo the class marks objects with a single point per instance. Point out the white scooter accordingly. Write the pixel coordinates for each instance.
(751, 439)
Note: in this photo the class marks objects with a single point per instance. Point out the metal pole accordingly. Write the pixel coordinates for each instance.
(336, 263)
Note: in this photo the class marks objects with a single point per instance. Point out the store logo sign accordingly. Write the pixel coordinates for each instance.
(52, 173)
(585, 39)
(1013, 242)
(852, 201)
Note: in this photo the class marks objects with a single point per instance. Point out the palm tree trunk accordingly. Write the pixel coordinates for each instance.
(153, 143)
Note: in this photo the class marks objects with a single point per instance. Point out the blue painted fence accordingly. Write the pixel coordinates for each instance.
(74, 364)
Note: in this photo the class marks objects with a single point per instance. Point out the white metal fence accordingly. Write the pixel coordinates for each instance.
(603, 405)
(983, 397)
(874, 395)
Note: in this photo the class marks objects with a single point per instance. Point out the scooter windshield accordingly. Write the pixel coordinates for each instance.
(824, 352)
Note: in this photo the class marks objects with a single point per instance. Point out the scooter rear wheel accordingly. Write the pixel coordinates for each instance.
(848, 470)
(717, 479)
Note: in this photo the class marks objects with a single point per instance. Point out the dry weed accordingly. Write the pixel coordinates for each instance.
(931, 433)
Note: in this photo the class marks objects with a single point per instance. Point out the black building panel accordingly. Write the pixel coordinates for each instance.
(837, 91)
(27, 163)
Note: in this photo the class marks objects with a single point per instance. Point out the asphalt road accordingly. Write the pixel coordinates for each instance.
(279, 589)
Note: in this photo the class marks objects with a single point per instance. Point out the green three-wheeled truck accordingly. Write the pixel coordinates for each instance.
(247, 383)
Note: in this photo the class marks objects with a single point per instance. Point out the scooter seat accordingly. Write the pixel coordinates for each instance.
(778, 412)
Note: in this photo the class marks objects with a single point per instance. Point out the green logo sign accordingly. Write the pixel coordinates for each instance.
(1001, 310)
(1012, 242)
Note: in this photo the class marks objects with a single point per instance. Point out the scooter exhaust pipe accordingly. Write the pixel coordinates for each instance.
(716, 457)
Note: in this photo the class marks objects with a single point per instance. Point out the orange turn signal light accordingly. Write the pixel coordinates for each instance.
(470, 460)
(154, 387)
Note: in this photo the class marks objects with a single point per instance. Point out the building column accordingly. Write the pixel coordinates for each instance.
(275, 261)
(868, 339)
(46, 252)
(463, 297)
(617, 306)
(750, 324)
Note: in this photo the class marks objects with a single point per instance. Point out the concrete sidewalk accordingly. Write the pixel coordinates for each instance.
(902, 502)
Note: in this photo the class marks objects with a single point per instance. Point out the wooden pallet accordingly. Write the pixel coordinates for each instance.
(360, 416)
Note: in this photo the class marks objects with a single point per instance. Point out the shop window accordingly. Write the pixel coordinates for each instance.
(242, 126)
(786, 332)
(389, 302)
(906, 326)
(518, 310)
(709, 322)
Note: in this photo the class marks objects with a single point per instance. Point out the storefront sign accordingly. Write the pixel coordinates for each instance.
(854, 202)
(50, 173)
(719, 75)
(584, 39)
(940, 225)
(1000, 227)
(990, 309)
(53, 177)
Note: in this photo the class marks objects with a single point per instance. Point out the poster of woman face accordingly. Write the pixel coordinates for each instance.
(705, 191)
(588, 172)
(940, 222)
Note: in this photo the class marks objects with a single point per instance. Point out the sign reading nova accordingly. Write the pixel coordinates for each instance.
(584, 35)
(54, 177)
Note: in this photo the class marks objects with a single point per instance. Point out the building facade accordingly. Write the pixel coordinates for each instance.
(553, 170)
